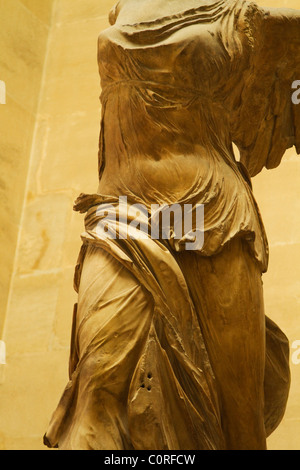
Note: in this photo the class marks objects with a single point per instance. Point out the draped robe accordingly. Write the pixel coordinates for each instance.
(147, 368)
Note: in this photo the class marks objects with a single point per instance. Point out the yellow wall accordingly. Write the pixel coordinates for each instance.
(278, 195)
(22, 23)
(60, 103)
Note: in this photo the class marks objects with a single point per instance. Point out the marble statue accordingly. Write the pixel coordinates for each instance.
(171, 347)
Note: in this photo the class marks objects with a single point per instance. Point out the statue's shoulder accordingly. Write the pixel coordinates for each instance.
(141, 27)
(156, 12)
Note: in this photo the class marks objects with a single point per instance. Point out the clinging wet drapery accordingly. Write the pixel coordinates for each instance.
(171, 349)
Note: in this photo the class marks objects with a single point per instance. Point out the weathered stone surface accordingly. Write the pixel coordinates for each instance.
(168, 119)
(45, 227)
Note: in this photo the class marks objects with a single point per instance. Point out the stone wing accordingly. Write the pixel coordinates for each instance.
(266, 118)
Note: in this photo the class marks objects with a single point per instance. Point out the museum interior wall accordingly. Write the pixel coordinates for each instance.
(48, 148)
(23, 40)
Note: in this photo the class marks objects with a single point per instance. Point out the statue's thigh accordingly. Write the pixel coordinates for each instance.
(227, 293)
(114, 309)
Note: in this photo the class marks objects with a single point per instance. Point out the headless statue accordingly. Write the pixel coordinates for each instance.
(171, 347)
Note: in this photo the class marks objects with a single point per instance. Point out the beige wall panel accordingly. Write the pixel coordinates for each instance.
(29, 326)
(42, 242)
(29, 397)
(277, 192)
(23, 41)
(74, 10)
(42, 9)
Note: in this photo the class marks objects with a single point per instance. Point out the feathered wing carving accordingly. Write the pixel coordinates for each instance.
(267, 122)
